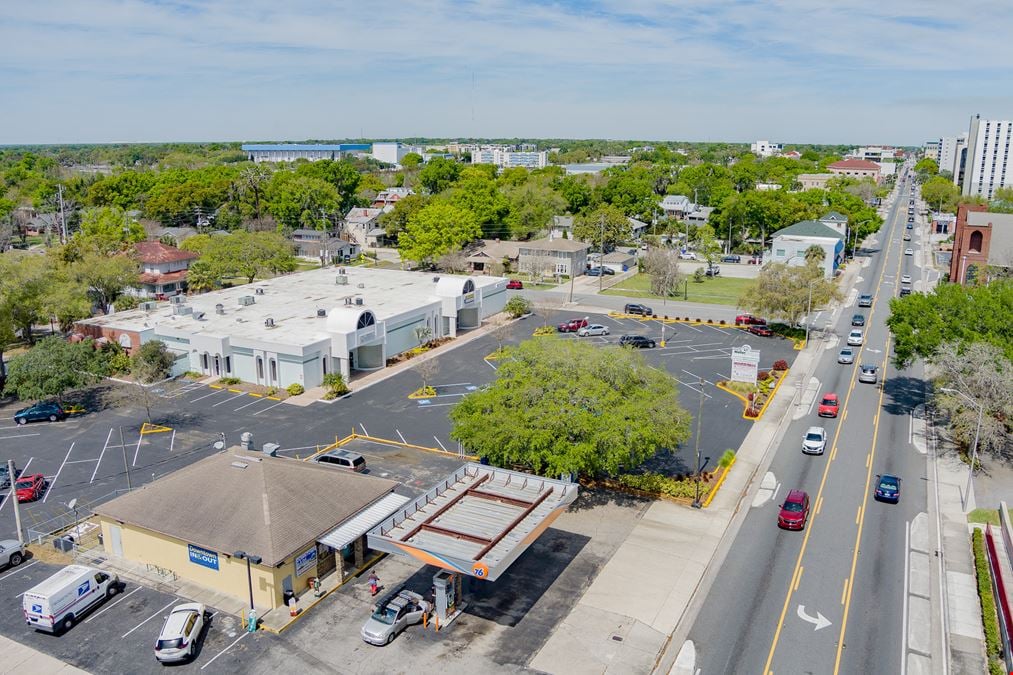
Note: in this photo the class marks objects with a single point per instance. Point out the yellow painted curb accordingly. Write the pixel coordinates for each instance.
(733, 393)
(417, 395)
(770, 398)
(236, 391)
(75, 410)
(256, 395)
(216, 386)
(352, 436)
(147, 428)
(799, 344)
(717, 486)
(272, 398)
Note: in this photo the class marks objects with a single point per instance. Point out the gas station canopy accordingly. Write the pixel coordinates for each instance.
(477, 521)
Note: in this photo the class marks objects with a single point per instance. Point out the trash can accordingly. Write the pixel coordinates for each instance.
(286, 596)
(65, 544)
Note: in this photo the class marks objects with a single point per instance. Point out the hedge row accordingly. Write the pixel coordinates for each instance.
(993, 643)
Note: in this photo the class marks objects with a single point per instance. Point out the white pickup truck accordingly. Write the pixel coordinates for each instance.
(58, 602)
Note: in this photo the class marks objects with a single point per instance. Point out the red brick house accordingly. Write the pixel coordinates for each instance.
(981, 240)
(163, 269)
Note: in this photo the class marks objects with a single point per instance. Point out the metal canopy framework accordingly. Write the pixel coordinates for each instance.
(476, 521)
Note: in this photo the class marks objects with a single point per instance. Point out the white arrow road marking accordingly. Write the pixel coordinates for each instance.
(819, 620)
(874, 351)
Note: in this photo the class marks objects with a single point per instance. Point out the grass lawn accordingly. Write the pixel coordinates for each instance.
(713, 291)
(983, 516)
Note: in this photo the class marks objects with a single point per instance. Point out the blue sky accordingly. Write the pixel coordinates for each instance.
(805, 71)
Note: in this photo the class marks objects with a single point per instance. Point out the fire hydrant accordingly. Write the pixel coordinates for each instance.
(316, 587)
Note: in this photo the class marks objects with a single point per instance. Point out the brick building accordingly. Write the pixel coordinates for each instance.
(980, 240)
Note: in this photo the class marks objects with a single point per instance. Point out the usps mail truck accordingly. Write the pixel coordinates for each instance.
(58, 602)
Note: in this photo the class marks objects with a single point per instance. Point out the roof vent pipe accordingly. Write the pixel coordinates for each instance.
(246, 441)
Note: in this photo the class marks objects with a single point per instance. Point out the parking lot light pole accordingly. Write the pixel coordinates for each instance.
(699, 426)
(809, 311)
(243, 555)
(13, 496)
(974, 446)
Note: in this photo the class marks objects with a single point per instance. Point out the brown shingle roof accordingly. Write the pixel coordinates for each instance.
(155, 252)
(271, 508)
(568, 245)
(855, 165)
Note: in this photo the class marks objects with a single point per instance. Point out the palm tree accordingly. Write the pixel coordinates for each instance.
(815, 254)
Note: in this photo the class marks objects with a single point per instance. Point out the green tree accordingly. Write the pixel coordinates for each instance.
(297, 200)
(922, 322)
(52, 368)
(439, 174)
(106, 277)
(815, 254)
(941, 193)
(531, 209)
(925, 167)
(782, 291)
(105, 230)
(125, 190)
(341, 175)
(480, 194)
(562, 407)
(707, 244)
(396, 220)
(577, 192)
(437, 229)
(517, 306)
(24, 281)
(152, 362)
(607, 219)
(411, 161)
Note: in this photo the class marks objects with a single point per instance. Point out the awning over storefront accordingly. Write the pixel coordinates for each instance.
(362, 522)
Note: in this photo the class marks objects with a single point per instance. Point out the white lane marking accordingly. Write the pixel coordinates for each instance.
(49, 490)
(364, 432)
(140, 438)
(687, 384)
(231, 398)
(108, 607)
(400, 436)
(907, 558)
(490, 364)
(773, 497)
(101, 455)
(268, 408)
(223, 651)
(441, 444)
(705, 381)
(453, 384)
(18, 569)
(435, 405)
(213, 393)
(82, 461)
(171, 602)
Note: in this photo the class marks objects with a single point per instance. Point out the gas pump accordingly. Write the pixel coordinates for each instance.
(448, 601)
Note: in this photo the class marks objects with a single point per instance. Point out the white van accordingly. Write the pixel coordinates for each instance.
(58, 602)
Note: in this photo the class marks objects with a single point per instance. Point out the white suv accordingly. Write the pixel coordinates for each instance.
(855, 338)
(178, 639)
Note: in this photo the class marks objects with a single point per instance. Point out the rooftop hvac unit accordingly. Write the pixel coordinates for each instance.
(269, 322)
(341, 280)
(362, 285)
(358, 301)
(148, 306)
(321, 312)
(199, 316)
(219, 308)
(245, 300)
(271, 449)
(435, 279)
(181, 310)
(177, 299)
(259, 291)
(348, 301)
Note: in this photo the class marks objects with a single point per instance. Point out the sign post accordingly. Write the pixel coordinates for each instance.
(745, 364)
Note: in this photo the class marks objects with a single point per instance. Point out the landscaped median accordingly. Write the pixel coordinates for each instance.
(682, 489)
(757, 396)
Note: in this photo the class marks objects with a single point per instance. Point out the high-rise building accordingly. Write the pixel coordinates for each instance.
(985, 166)
(950, 153)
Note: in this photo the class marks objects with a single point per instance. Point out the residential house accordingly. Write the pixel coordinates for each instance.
(562, 227)
(981, 240)
(638, 228)
(386, 199)
(163, 269)
(361, 223)
(676, 206)
(814, 181)
(492, 255)
(836, 221)
(324, 246)
(619, 261)
(792, 154)
(547, 257)
(856, 168)
(699, 215)
(790, 244)
(178, 234)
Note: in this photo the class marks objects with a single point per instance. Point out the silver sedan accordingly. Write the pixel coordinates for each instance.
(593, 329)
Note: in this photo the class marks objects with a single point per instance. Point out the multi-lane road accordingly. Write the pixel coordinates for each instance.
(837, 596)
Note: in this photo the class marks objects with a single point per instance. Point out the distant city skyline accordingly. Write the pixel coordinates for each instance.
(862, 73)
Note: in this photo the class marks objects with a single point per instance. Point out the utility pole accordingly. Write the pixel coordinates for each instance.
(63, 218)
(601, 261)
(13, 496)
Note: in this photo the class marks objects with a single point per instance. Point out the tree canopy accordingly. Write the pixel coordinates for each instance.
(782, 291)
(567, 407)
(437, 229)
(52, 368)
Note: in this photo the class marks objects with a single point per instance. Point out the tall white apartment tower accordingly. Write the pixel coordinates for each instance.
(986, 165)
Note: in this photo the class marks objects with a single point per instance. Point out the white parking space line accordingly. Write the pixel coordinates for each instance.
(172, 440)
(4, 438)
(490, 364)
(101, 455)
(223, 651)
(18, 569)
(434, 405)
(24, 470)
(705, 380)
(687, 384)
(49, 490)
(172, 602)
(233, 398)
(254, 402)
(140, 439)
(108, 607)
(398, 432)
(82, 461)
(698, 330)
(213, 393)
(263, 410)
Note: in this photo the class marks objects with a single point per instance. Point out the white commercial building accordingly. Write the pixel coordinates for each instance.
(951, 150)
(290, 152)
(508, 159)
(790, 244)
(393, 153)
(985, 167)
(766, 148)
(297, 328)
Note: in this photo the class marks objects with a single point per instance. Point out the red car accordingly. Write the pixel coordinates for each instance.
(29, 488)
(515, 285)
(572, 326)
(749, 320)
(762, 331)
(829, 406)
(794, 511)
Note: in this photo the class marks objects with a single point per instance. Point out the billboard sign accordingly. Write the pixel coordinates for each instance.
(203, 557)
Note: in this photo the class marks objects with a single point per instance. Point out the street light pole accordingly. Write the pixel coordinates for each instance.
(601, 261)
(243, 555)
(699, 426)
(809, 311)
(974, 446)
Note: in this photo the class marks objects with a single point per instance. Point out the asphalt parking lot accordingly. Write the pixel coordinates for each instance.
(118, 636)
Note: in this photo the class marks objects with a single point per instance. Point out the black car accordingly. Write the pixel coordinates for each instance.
(858, 320)
(637, 308)
(731, 259)
(39, 412)
(638, 341)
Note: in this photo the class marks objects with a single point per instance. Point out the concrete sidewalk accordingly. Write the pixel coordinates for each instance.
(17, 658)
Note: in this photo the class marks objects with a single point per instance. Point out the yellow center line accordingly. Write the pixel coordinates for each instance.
(819, 492)
(858, 515)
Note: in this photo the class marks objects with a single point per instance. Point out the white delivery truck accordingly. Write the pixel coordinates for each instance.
(58, 602)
